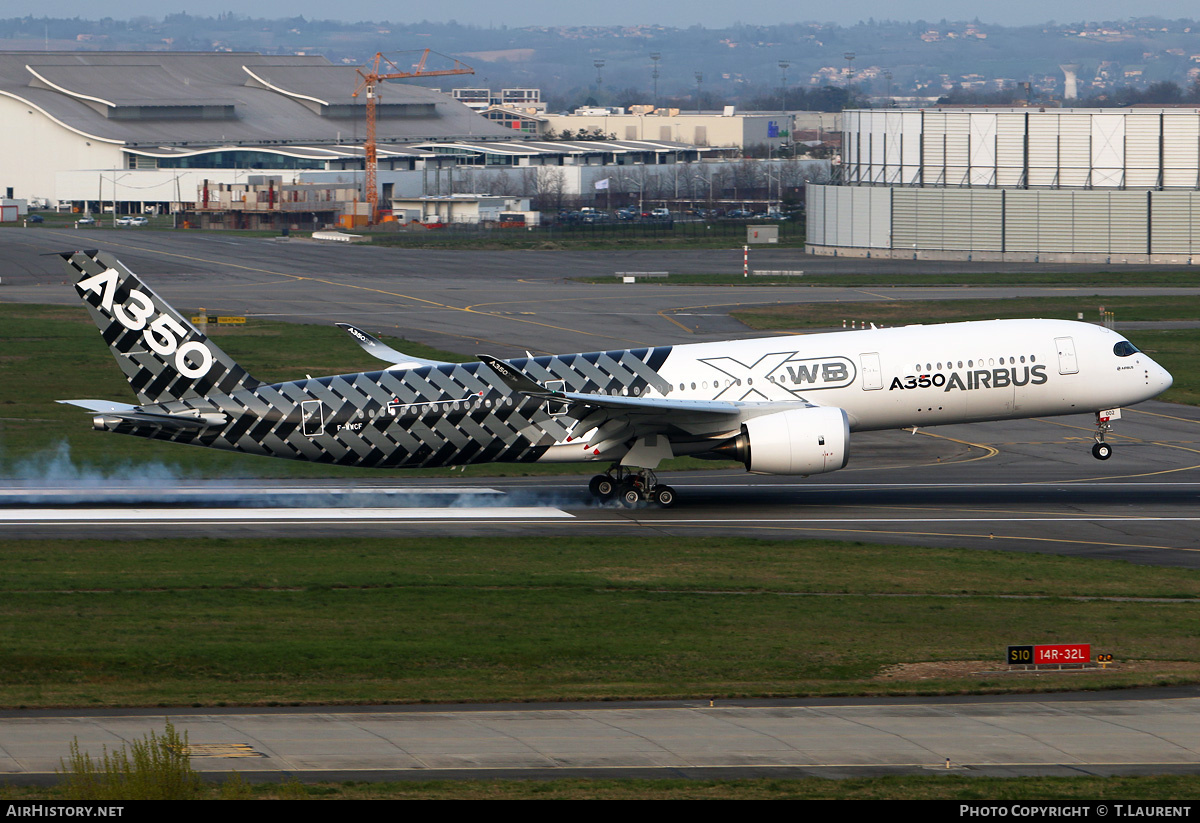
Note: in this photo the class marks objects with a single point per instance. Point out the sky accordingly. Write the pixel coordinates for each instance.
(676, 13)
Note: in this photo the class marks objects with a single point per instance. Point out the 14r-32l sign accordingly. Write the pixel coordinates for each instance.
(1049, 655)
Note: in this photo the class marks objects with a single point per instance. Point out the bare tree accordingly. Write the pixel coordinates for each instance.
(551, 187)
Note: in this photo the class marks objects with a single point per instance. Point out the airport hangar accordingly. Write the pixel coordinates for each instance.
(141, 131)
(1017, 185)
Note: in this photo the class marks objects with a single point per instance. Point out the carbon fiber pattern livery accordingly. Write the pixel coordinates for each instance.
(443, 415)
(152, 374)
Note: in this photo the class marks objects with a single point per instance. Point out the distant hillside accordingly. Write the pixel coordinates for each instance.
(744, 65)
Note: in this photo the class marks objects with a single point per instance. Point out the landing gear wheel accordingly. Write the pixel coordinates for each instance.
(1102, 451)
(630, 497)
(664, 496)
(602, 487)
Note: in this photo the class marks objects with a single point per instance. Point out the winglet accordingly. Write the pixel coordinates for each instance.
(377, 348)
(516, 380)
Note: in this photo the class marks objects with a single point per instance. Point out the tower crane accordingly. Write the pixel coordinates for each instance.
(369, 83)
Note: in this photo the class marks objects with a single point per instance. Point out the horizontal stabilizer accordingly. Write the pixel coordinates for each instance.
(108, 413)
(106, 406)
(377, 348)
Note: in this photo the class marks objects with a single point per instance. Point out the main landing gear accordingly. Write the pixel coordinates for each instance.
(631, 487)
(1102, 450)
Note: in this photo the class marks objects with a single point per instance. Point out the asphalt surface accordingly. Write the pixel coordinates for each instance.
(1154, 732)
(1029, 485)
(503, 302)
(1018, 485)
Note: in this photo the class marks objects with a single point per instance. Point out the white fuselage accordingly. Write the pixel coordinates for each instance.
(925, 375)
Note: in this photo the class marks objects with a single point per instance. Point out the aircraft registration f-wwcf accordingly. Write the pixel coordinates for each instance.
(780, 405)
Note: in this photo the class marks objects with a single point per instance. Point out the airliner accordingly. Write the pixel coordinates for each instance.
(780, 405)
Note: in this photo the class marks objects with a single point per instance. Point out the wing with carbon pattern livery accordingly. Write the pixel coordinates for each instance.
(582, 404)
(377, 348)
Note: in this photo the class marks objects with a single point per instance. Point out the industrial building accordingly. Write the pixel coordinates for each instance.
(727, 129)
(153, 132)
(1068, 185)
(146, 131)
(528, 100)
(89, 128)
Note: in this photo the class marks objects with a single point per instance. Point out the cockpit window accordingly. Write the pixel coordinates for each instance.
(1124, 349)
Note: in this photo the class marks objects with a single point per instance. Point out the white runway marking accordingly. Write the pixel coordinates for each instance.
(1114, 518)
(210, 516)
(205, 489)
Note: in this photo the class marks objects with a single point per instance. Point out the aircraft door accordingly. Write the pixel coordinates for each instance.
(872, 373)
(312, 417)
(557, 408)
(1067, 362)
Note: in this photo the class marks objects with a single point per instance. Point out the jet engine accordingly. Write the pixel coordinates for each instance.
(811, 440)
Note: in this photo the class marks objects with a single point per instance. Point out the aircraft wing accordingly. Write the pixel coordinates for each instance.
(626, 428)
(377, 348)
(523, 383)
(649, 405)
(133, 414)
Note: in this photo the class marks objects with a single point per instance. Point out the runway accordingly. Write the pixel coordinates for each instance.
(1027, 485)
(1156, 731)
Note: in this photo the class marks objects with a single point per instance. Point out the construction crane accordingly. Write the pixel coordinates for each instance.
(369, 83)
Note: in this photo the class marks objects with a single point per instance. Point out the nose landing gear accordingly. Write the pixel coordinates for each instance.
(631, 487)
(1102, 450)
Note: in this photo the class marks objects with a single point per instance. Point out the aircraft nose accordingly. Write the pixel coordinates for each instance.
(1160, 378)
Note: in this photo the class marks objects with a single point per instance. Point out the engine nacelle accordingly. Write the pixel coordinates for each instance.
(798, 441)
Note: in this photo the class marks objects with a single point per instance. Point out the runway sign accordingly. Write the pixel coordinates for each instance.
(1062, 653)
(1049, 655)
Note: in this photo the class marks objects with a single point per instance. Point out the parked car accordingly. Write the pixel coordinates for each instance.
(35, 218)
(125, 221)
(138, 221)
(86, 221)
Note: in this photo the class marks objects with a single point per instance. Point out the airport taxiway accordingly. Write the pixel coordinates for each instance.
(1153, 731)
(502, 302)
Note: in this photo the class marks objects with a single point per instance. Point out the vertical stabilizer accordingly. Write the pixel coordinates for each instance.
(163, 355)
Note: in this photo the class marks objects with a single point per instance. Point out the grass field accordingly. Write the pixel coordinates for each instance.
(208, 621)
(851, 279)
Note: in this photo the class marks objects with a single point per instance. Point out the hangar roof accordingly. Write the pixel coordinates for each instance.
(196, 99)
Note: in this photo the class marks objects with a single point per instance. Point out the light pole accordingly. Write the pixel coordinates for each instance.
(849, 67)
(599, 64)
(783, 67)
(699, 80)
(702, 179)
(655, 56)
(888, 75)
(114, 200)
